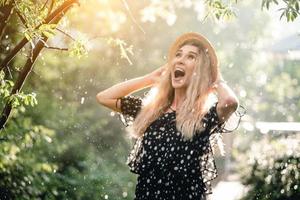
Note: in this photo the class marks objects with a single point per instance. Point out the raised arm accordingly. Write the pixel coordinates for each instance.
(109, 96)
(227, 100)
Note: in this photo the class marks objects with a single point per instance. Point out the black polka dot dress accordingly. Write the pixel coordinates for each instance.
(168, 166)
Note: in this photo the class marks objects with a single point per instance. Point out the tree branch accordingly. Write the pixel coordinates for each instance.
(51, 7)
(67, 34)
(44, 6)
(30, 62)
(57, 48)
(24, 41)
(22, 19)
(131, 16)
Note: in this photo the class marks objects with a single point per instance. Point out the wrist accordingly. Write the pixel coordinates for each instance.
(148, 80)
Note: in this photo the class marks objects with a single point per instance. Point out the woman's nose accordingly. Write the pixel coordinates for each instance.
(180, 60)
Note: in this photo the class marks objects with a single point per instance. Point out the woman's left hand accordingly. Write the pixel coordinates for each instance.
(156, 75)
(214, 85)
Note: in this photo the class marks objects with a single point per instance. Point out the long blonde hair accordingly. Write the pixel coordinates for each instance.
(194, 106)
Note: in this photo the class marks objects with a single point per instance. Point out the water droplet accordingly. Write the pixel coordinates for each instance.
(82, 100)
(124, 194)
(112, 114)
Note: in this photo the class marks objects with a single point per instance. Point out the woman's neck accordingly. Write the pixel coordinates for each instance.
(178, 98)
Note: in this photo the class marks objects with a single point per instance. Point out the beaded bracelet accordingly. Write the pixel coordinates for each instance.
(118, 99)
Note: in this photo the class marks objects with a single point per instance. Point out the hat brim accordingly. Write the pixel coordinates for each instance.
(205, 43)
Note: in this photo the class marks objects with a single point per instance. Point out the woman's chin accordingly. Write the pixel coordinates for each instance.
(178, 84)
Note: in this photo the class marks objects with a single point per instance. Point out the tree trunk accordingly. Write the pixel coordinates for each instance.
(5, 13)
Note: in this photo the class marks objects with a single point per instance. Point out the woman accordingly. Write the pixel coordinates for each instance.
(175, 124)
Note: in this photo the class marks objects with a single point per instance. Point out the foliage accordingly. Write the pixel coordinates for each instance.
(22, 171)
(18, 99)
(66, 147)
(215, 9)
(5, 86)
(37, 163)
(78, 49)
(220, 10)
(39, 23)
(123, 48)
(274, 169)
(32, 15)
(290, 11)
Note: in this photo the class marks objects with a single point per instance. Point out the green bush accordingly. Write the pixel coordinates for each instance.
(35, 163)
(274, 170)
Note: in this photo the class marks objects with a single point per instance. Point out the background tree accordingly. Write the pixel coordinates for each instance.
(67, 146)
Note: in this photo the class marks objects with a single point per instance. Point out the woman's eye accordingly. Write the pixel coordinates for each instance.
(177, 54)
(191, 57)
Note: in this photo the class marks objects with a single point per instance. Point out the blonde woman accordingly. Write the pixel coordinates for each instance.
(175, 124)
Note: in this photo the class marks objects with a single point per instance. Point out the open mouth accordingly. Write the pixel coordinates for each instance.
(179, 73)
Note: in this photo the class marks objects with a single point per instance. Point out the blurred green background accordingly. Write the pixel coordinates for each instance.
(67, 146)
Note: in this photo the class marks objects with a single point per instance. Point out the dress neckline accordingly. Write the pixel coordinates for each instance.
(173, 111)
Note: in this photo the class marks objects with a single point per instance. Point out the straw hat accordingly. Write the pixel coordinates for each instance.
(205, 43)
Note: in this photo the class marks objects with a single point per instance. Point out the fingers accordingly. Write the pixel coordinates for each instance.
(163, 68)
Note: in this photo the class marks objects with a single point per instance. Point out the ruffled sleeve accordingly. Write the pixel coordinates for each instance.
(134, 158)
(215, 129)
(214, 123)
(130, 107)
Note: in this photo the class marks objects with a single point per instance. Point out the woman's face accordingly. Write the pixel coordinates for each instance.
(183, 65)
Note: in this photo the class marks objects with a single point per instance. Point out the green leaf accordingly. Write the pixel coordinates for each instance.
(294, 14)
(26, 101)
(11, 83)
(282, 14)
(263, 3)
(15, 103)
(297, 6)
(27, 36)
(2, 74)
(78, 49)
(48, 30)
(287, 15)
(4, 2)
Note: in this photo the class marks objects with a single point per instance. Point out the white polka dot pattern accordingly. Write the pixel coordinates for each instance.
(168, 166)
(130, 106)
